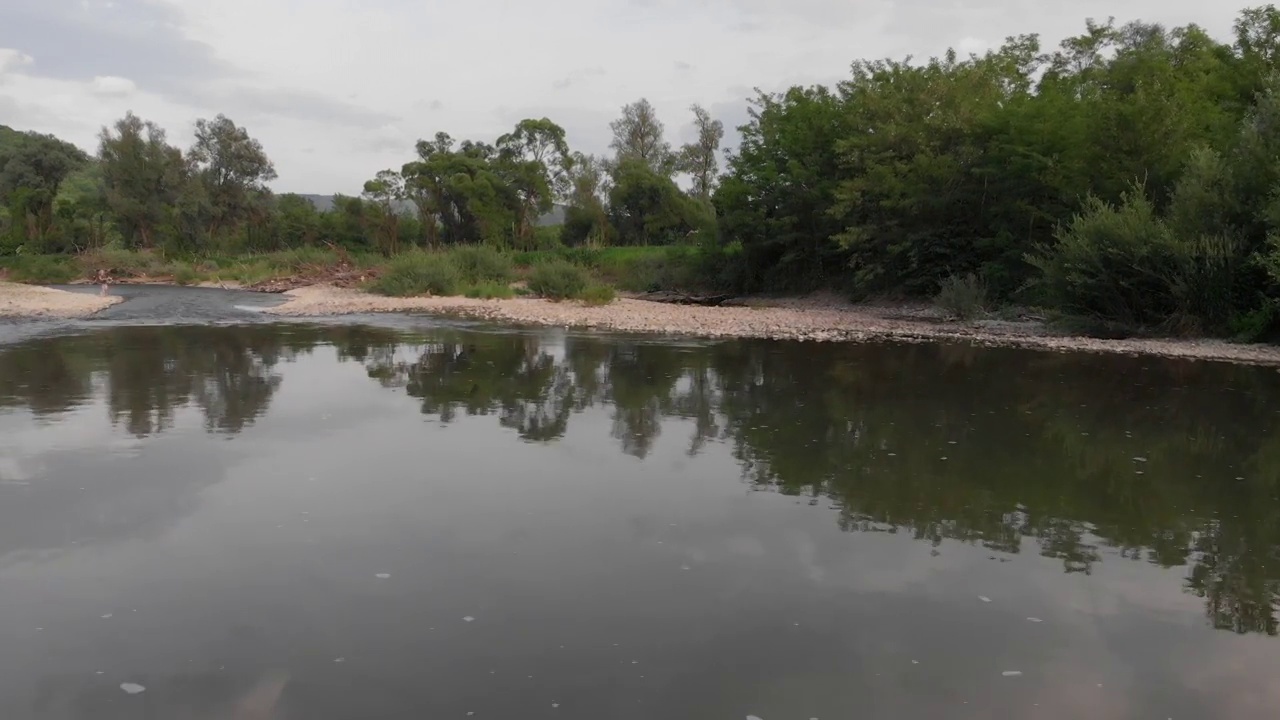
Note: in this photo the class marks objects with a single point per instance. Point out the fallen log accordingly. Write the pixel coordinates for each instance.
(679, 298)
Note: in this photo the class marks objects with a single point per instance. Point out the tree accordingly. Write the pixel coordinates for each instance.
(464, 193)
(385, 192)
(143, 176)
(32, 169)
(586, 219)
(638, 135)
(297, 223)
(534, 159)
(424, 186)
(647, 208)
(777, 197)
(232, 167)
(698, 158)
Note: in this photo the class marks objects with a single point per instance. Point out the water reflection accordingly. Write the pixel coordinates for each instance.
(1082, 459)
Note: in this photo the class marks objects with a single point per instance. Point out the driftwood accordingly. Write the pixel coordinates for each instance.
(679, 298)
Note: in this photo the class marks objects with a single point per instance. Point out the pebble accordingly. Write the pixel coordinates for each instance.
(817, 319)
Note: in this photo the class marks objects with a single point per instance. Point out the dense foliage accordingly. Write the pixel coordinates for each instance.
(1128, 178)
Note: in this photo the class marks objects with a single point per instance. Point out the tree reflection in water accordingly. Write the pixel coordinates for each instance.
(1078, 457)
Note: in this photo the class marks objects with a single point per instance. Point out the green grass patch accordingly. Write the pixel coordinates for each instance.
(482, 264)
(43, 269)
(418, 273)
(597, 294)
(490, 291)
(185, 275)
(557, 279)
(634, 268)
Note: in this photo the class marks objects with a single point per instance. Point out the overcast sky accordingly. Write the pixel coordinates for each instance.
(339, 89)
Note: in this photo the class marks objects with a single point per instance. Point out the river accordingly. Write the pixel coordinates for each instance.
(406, 518)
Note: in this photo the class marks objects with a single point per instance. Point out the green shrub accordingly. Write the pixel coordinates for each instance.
(299, 258)
(481, 263)
(50, 270)
(547, 237)
(1257, 325)
(558, 279)
(250, 273)
(962, 296)
(597, 294)
(416, 273)
(184, 274)
(1126, 265)
(490, 291)
(119, 261)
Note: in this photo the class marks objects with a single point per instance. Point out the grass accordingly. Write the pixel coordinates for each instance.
(557, 279)
(482, 264)
(42, 269)
(185, 275)
(597, 294)
(418, 273)
(962, 296)
(490, 291)
(588, 274)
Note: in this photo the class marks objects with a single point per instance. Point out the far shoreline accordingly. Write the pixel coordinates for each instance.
(817, 318)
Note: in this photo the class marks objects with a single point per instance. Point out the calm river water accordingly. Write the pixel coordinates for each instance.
(329, 522)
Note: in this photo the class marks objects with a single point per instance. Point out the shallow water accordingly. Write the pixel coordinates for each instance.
(292, 521)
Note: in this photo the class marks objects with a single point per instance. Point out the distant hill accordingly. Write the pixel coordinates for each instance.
(324, 203)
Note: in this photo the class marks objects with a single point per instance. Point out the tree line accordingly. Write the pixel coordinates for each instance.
(139, 191)
(1127, 177)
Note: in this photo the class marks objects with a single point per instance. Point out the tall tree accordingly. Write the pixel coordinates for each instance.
(647, 208)
(586, 219)
(698, 158)
(232, 167)
(535, 158)
(639, 135)
(143, 176)
(424, 186)
(384, 192)
(32, 168)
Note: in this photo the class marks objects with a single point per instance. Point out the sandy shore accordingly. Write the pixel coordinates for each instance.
(32, 301)
(823, 319)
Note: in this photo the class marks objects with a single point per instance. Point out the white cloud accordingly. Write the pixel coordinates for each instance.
(331, 87)
(11, 60)
(112, 86)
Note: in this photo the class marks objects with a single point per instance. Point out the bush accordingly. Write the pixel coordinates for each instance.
(481, 263)
(548, 237)
(184, 274)
(490, 291)
(1126, 265)
(597, 294)
(558, 279)
(119, 261)
(41, 269)
(962, 296)
(666, 268)
(416, 273)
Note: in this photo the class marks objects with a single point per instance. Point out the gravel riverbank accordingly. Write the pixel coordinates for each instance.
(814, 319)
(32, 301)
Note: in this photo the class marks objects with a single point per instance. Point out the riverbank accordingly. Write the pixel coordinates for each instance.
(818, 319)
(32, 301)
(815, 318)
